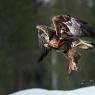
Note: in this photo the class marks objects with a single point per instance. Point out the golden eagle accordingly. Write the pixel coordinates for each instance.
(48, 41)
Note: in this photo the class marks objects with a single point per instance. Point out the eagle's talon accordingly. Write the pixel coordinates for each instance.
(72, 67)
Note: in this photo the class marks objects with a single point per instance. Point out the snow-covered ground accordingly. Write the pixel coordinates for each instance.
(36, 91)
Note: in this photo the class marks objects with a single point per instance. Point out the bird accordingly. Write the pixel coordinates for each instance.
(48, 41)
(75, 26)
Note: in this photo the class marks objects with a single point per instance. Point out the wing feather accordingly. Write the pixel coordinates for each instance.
(43, 44)
(87, 30)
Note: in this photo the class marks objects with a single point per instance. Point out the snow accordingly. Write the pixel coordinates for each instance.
(37, 91)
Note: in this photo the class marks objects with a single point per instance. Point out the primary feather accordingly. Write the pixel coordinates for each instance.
(76, 27)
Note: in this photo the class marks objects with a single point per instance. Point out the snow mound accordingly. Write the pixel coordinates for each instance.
(37, 91)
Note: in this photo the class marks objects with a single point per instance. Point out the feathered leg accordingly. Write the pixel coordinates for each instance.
(73, 58)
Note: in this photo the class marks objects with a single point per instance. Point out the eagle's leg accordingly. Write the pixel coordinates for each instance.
(72, 66)
(73, 58)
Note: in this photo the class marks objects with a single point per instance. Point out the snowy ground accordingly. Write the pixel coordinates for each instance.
(36, 91)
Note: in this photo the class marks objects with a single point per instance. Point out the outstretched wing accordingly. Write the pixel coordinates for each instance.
(43, 38)
(78, 27)
(46, 30)
(73, 26)
(86, 29)
(60, 27)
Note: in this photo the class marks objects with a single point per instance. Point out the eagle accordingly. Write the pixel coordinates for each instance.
(48, 41)
(73, 26)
